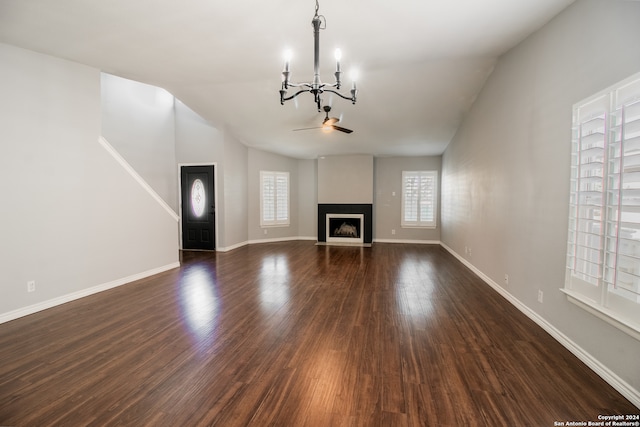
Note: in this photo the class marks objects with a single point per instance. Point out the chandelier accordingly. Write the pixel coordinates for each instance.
(316, 87)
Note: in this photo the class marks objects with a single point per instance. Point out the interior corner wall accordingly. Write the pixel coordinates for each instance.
(74, 219)
(259, 160)
(505, 175)
(198, 142)
(236, 215)
(387, 205)
(308, 199)
(138, 121)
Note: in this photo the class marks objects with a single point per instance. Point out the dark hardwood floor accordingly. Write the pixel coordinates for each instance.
(293, 334)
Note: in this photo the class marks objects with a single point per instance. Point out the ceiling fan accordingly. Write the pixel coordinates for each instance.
(329, 123)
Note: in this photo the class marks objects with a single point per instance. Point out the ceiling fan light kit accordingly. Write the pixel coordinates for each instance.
(316, 87)
(329, 123)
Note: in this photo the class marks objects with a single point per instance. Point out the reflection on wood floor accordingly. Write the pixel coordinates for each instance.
(294, 334)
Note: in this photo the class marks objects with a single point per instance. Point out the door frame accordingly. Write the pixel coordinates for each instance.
(215, 198)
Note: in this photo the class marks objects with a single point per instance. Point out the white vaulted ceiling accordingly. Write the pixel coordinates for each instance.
(421, 63)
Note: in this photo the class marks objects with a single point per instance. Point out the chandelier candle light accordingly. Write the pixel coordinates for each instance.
(316, 87)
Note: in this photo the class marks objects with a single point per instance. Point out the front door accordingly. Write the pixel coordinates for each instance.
(198, 207)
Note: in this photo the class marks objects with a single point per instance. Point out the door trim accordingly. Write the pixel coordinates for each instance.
(215, 198)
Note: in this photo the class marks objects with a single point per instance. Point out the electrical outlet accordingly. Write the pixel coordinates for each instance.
(31, 286)
(540, 296)
(265, 231)
(393, 231)
(506, 279)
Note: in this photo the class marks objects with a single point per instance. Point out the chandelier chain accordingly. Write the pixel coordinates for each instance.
(320, 18)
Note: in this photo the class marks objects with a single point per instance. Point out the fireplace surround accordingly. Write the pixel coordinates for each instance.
(344, 228)
(346, 211)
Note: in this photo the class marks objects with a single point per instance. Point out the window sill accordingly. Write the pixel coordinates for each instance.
(274, 225)
(426, 227)
(603, 313)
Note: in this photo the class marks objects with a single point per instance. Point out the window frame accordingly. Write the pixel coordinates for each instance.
(275, 222)
(430, 223)
(603, 184)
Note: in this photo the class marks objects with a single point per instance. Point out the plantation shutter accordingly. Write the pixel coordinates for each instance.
(603, 251)
(274, 198)
(268, 198)
(282, 197)
(419, 198)
(622, 244)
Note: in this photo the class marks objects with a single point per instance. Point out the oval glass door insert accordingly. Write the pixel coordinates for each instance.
(198, 198)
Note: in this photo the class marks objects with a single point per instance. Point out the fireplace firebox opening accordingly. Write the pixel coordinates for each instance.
(345, 228)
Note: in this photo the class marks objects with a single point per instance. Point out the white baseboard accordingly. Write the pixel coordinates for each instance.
(251, 242)
(280, 239)
(232, 247)
(420, 242)
(624, 388)
(25, 311)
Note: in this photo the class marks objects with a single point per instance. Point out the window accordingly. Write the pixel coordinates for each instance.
(274, 198)
(603, 251)
(419, 198)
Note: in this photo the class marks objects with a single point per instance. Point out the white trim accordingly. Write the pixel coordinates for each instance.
(599, 228)
(232, 247)
(348, 240)
(421, 242)
(118, 158)
(420, 222)
(277, 239)
(25, 311)
(609, 316)
(251, 242)
(275, 222)
(215, 198)
(594, 364)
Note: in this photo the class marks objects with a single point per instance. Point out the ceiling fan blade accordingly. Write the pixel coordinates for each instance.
(341, 129)
(316, 127)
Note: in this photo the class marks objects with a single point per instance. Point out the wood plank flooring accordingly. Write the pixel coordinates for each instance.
(293, 334)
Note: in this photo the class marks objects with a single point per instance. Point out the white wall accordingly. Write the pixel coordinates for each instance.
(387, 206)
(73, 219)
(236, 215)
(505, 176)
(308, 199)
(262, 160)
(198, 142)
(138, 121)
(345, 179)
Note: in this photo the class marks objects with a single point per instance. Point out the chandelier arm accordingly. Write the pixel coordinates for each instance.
(283, 98)
(351, 98)
(316, 87)
(309, 85)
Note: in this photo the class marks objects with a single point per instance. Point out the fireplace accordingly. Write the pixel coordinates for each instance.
(344, 228)
(357, 220)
